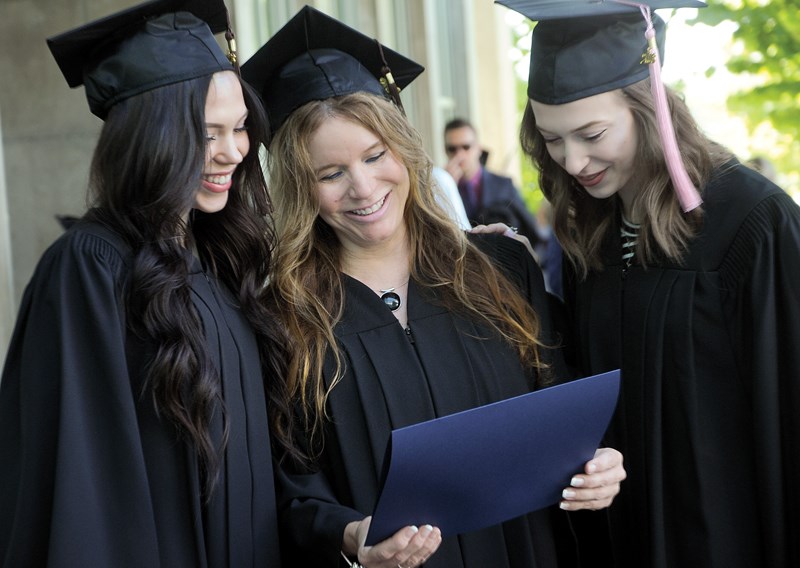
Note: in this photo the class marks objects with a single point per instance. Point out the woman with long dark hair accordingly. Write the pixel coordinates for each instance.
(133, 425)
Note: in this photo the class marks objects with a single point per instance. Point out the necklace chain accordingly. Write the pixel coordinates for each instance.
(393, 288)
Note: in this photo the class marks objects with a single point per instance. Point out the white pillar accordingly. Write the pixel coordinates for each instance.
(7, 307)
(495, 84)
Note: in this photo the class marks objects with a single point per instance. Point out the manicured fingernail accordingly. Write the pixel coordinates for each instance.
(564, 505)
(568, 493)
(577, 481)
(414, 529)
(591, 468)
(426, 530)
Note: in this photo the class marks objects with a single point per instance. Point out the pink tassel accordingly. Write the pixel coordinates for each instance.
(688, 196)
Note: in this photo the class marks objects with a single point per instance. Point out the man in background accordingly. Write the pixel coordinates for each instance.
(487, 197)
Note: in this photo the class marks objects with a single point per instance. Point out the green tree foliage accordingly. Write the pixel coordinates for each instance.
(769, 34)
(530, 190)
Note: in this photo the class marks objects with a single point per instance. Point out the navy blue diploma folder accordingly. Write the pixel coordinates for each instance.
(484, 466)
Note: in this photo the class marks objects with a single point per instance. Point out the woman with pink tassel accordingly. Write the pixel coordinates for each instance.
(682, 270)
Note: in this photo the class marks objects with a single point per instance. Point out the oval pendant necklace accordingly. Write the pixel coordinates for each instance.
(390, 298)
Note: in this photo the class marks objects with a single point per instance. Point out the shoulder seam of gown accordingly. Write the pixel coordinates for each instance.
(101, 246)
(764, 219)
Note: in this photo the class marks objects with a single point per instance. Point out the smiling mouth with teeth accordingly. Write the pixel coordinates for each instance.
(218, 180)
(369, 210)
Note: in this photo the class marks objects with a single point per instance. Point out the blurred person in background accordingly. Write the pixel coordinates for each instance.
(488, 197)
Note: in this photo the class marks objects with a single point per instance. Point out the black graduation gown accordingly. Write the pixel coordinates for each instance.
(90, 476)
(395, 379)
(708, 419)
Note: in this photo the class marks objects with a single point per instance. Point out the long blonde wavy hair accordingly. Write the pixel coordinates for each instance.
(306, 287)
(582, 222)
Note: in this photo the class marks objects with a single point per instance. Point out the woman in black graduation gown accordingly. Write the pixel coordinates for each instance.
(133, 425)
(392, 316)
(700, 309)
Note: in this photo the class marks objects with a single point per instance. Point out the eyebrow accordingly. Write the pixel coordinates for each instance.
(584, 127)
(216, 125)
(333, 165)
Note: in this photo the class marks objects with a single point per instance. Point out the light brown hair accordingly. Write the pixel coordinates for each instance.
(306, 287)
(582, 222)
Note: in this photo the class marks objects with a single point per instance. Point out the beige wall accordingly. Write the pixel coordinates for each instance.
(47, 133)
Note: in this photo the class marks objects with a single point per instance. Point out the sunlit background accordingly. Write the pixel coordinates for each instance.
(692, 52)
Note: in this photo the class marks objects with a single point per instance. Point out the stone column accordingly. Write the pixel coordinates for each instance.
(7, 304)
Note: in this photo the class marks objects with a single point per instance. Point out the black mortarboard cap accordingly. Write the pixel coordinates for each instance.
(141, 48)
(582, 48)
(538, 10)
(315, 57)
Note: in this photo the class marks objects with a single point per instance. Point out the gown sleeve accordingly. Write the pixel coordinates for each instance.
(763, 269)
(73, 485)
(312, 519)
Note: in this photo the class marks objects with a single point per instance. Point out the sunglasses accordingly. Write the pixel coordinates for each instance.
(452, 149)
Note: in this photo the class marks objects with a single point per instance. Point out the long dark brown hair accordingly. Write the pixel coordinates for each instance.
(581, 222)
(146, 170)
